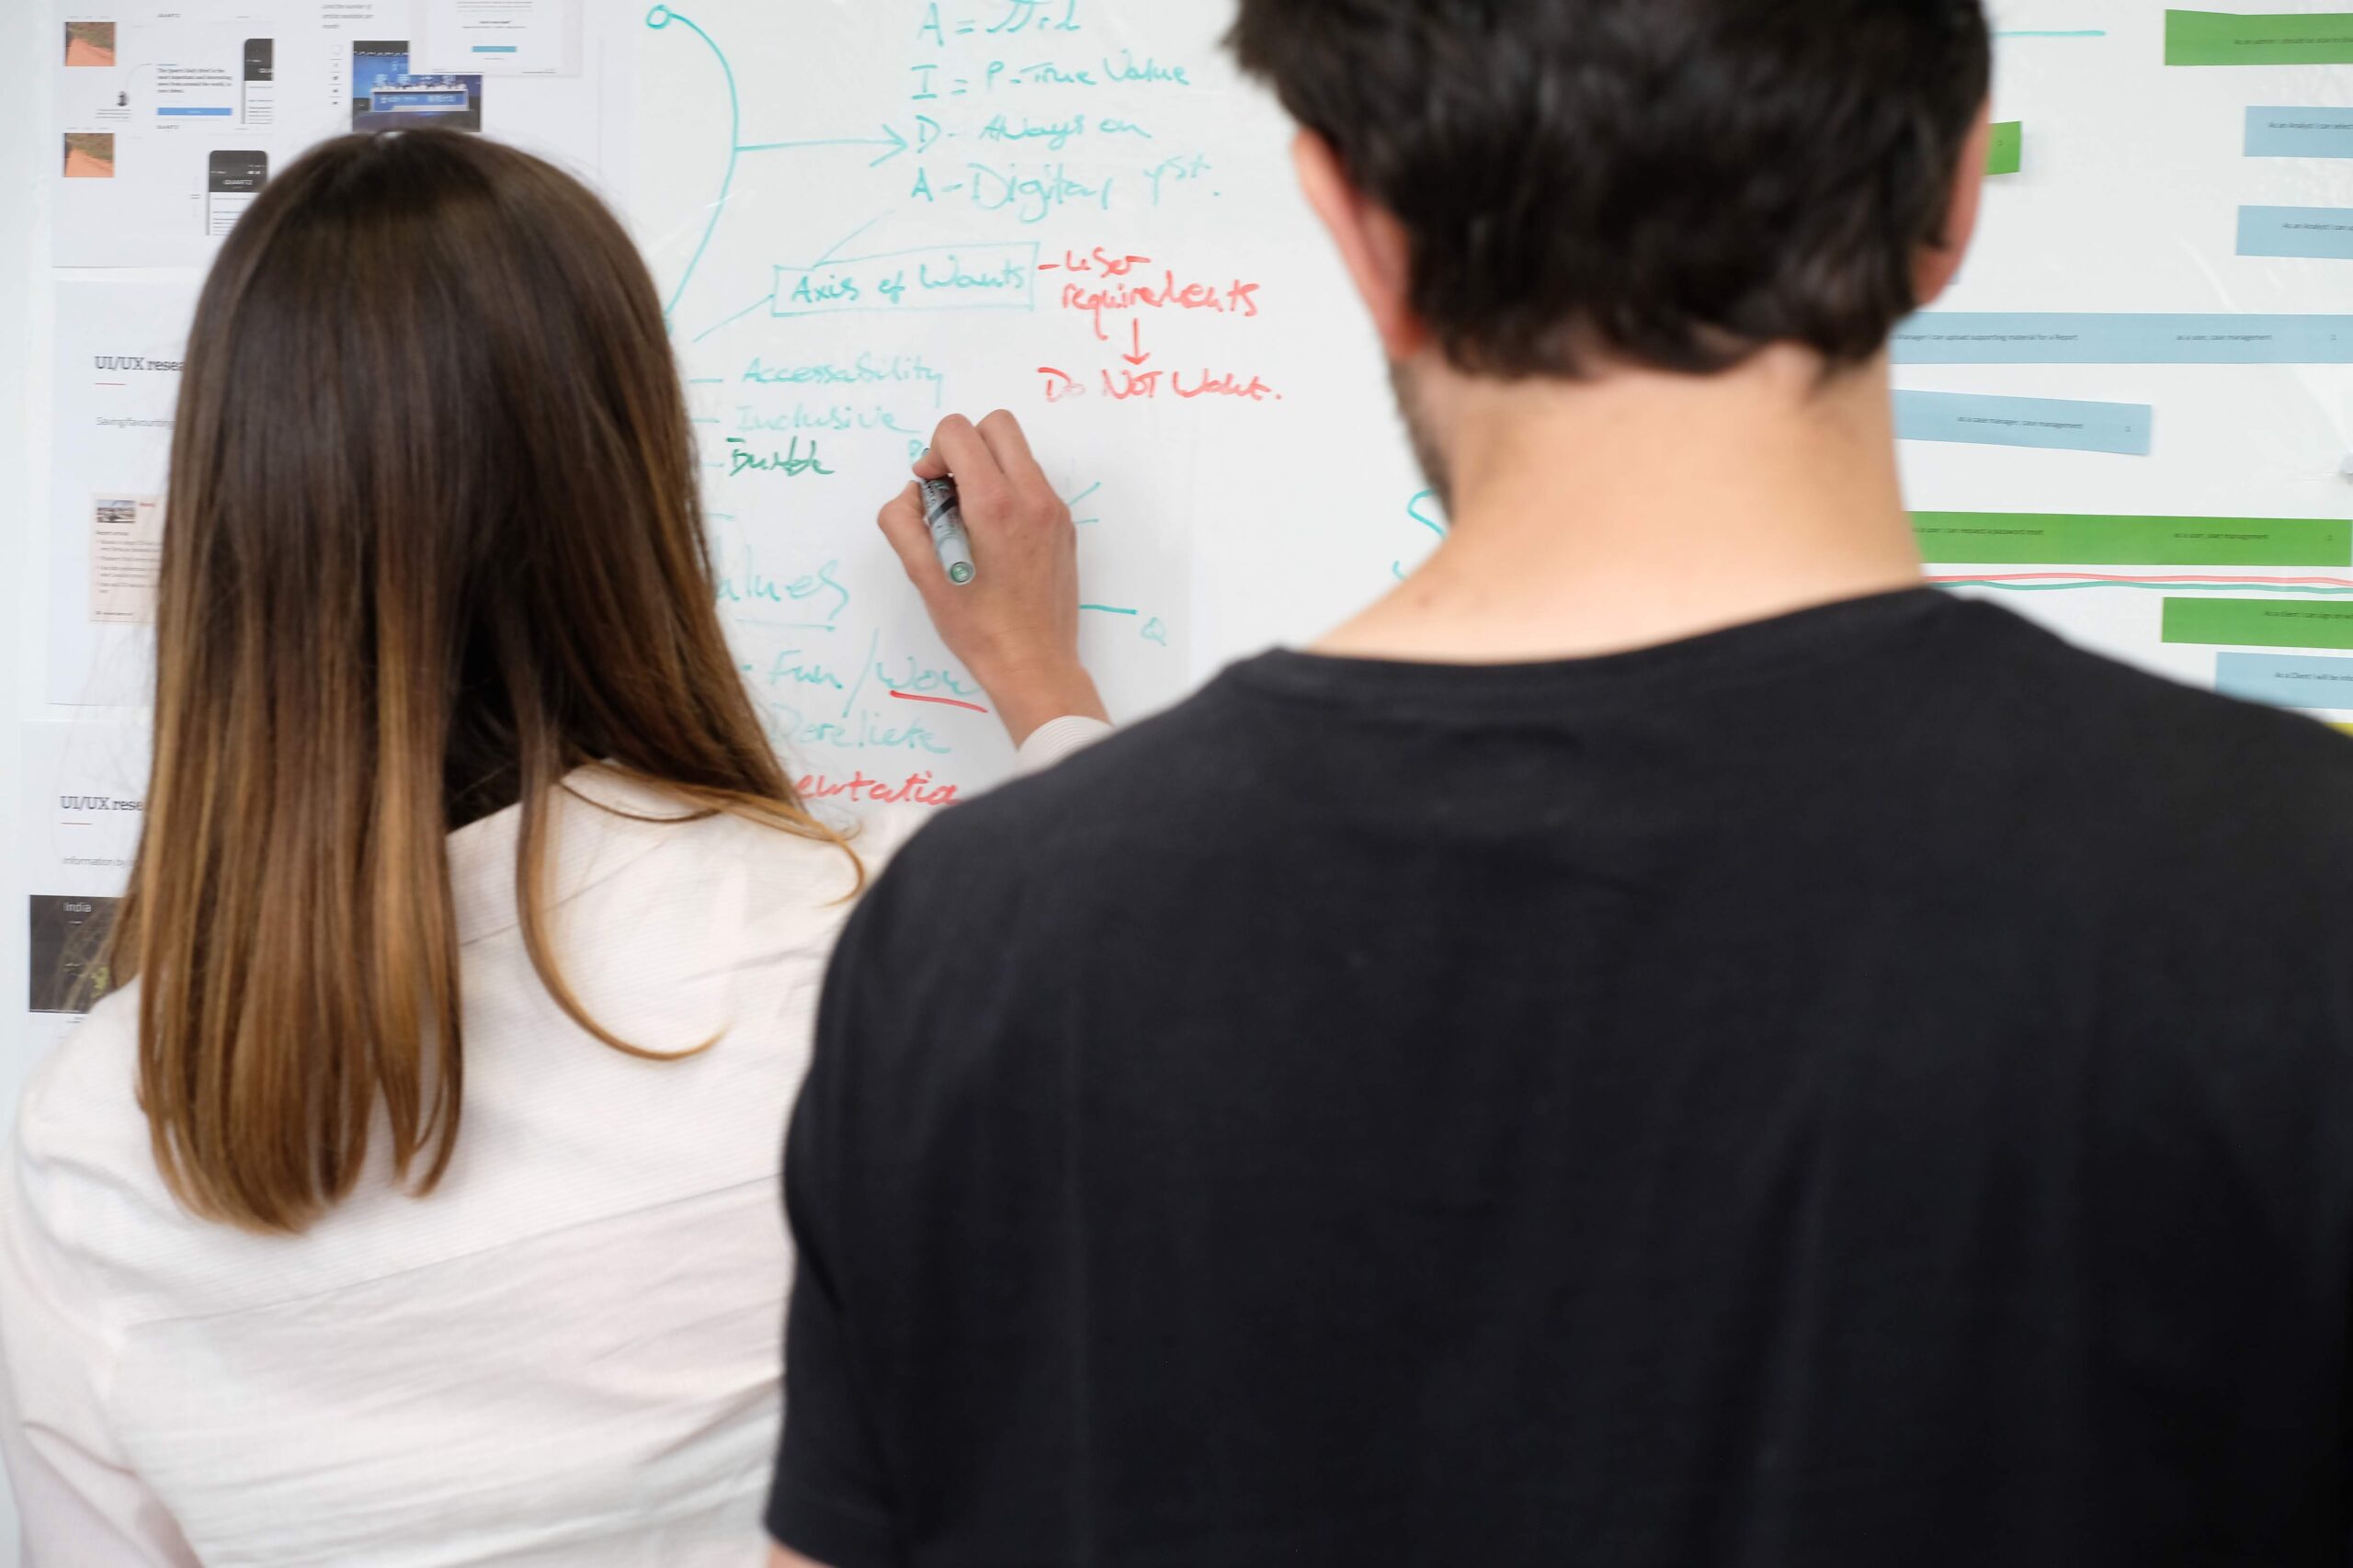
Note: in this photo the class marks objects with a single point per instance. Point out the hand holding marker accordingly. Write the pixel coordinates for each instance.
(1014, 627)
(949, 539)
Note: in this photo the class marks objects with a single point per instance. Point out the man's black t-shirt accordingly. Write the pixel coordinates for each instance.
(1871, 1087)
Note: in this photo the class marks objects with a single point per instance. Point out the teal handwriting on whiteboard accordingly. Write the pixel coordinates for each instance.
(790, 462)
(1422, 509)
(791, 728)
(1019, 17)
(951, 277)
(744, 583)
(867, 369)
(920, 679)
(840, 417)
(791, 666)
(1030, 193)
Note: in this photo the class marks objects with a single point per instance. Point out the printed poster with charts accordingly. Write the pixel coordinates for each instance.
(168, 121)
(2132, 418)
(170, 118)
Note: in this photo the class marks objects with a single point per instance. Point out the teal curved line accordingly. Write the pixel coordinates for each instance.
(1413, 510)
(656, 19)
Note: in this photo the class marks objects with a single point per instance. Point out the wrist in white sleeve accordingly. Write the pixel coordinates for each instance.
(1058, 739)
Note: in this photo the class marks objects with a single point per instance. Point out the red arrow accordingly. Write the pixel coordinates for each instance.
(1139, 357)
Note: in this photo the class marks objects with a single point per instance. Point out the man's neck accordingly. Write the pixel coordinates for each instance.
(1640, 508)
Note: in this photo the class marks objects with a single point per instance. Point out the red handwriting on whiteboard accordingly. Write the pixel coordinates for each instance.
(1105, 283)
(1122, 386)
(1237, 298)
(1128, 386)
(919, 790)
(1099, 260)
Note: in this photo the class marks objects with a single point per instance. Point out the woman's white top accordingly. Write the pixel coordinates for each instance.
(567, 1354)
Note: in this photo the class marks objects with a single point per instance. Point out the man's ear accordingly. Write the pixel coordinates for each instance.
(1936, 264)
(1372, 245)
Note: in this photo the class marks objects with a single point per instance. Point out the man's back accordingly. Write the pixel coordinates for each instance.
(1870, 1086)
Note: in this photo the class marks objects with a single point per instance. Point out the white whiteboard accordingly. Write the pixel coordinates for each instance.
(866, 216)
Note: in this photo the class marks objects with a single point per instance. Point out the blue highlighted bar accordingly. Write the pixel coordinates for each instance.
(494, 48)
(1965, 338)
(2047, 422)
(194, 113)
(2286, 680)
(2320, 234)
(2274, 132)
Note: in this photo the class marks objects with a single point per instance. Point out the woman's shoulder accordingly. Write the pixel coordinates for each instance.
(882, 835)
(811, 869)
(827, 864)
(81, 1168)
(81, 1104)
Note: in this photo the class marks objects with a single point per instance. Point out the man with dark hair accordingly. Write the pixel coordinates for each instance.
(1663, 1041)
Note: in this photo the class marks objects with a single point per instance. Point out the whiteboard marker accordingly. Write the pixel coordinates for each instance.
(945, 520)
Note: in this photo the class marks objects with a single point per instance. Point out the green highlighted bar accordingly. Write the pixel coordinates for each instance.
(2222, 37)
(2008, 153)
(2065, 539)
(2260, 623)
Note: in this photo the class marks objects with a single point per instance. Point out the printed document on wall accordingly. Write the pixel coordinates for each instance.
(118, 352)
(169, 122)
(170, 118)
(85, 788)
(500, 37)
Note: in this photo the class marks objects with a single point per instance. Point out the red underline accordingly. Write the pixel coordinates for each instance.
(943, 701)
(2137, 577)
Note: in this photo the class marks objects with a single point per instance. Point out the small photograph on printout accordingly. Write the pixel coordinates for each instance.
(89, 155)
(387, 95)
(89, 43)
(126, 559)
(68, 944)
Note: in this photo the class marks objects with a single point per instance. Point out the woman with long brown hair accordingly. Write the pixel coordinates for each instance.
(459, 810)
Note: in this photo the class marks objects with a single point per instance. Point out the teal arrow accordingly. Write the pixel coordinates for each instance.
(890, 138)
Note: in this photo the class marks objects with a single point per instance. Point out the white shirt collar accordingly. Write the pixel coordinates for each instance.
(596, 826)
